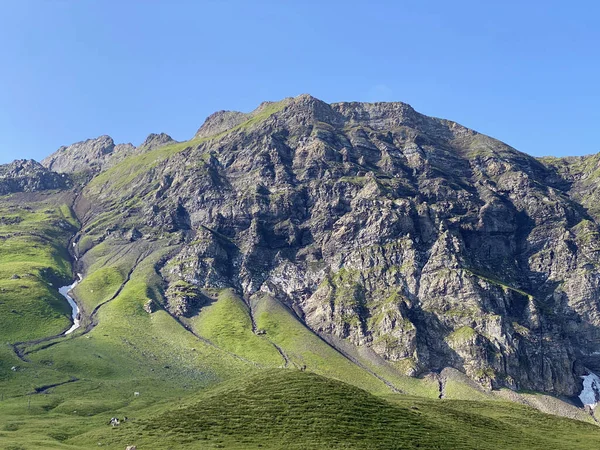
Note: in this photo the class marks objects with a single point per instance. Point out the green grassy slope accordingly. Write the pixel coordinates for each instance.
(128, 344)
(292, 409)
(128, 351)
(273, 409)
(228, 324)
(33, 263)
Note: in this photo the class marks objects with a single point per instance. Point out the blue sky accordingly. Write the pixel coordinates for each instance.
(524, 72)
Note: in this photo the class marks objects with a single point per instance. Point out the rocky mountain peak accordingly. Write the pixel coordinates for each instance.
(305, 108)
(27, 175)
(300, 110)
(306, 111)
(156, 140)
(91, 155)
(220, 121)
(20, 166)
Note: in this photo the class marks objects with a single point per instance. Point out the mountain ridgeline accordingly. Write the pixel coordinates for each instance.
(404, 243)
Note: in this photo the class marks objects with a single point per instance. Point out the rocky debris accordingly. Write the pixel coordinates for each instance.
(416, 238)
(14, 220)
(27, 175)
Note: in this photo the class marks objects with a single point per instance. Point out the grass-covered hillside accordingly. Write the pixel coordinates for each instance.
(34, 235)
(291, 409)
(274, 409)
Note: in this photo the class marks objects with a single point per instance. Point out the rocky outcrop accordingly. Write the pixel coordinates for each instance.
(92, 155)
(157, 140)
(28, 176)
(184, 299)
(219, 122)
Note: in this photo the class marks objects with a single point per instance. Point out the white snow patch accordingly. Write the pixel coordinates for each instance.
(591, 390)
(64, 291)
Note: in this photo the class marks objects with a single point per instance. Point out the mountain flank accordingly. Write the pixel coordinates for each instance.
(364, 242)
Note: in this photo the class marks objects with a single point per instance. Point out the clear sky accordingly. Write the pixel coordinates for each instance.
(525, 72)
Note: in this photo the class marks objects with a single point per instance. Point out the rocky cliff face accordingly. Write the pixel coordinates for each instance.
(421, 240)
(29, 176)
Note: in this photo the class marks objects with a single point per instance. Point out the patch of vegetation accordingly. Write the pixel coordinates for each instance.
(460, 312)
(264, 113)
(347, 291)
(389, 341)
(498, 283)
(457, 389)
(227, 323)
(586, 232)
(360, 181)
(462, 335)
(406, 365)
(485, 372)
(123, 173)
(389, 308)
(99, 286)
(306, 350)
(520, 329)
(33, 264)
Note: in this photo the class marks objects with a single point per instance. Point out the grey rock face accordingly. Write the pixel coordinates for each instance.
(28, 176)
(430, 244)
(156, 140)
(220, 121)
(92, 155)
(184, 299)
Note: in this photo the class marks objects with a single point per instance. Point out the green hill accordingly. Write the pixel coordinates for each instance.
(291, 409)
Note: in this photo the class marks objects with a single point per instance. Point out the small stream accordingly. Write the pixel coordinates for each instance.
(64, 291)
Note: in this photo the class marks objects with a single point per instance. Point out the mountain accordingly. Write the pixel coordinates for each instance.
(365, 242)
